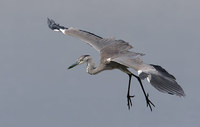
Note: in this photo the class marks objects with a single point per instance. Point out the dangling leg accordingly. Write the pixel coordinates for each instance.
(149, 103)
(128, 93)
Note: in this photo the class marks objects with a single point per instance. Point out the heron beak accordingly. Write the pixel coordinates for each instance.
(73, 65)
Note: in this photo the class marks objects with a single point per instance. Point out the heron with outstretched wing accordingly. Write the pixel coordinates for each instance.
(116, 54)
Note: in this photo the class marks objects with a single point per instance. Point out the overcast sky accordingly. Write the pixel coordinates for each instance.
(37, 90)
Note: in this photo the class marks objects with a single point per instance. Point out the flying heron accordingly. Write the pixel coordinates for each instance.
(116, 54)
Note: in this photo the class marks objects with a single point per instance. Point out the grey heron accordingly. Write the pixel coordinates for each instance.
(116, 54)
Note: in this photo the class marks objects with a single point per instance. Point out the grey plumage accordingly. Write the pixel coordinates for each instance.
(116, 54)
(166, 85)
(163, 71)
(163, 81)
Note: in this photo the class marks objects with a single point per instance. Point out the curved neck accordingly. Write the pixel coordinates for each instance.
(91, 69)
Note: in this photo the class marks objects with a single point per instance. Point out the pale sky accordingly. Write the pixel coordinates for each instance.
(37, 90)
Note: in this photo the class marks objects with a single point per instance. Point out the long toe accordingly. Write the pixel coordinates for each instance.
(149, 103)
(129, 104)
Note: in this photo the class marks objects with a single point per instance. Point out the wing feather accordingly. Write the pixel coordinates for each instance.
(92, 39)
(156, 75)
(131, 60)
(166, 85)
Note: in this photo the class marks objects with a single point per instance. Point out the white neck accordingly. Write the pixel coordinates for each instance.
(91, 69)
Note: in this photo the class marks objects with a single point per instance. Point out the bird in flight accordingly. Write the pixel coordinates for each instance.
(116, 54)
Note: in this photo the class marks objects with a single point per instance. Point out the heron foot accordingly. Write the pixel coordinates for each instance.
(129, 104)
(149, 103)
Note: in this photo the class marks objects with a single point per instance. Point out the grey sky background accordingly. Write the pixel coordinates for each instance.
(37, 90)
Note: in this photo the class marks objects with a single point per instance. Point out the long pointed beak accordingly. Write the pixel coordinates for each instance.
(73, 65)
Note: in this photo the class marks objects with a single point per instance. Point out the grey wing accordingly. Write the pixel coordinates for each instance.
(118, 50)
(95, 41)
(164, 81)
(166, 84)
(156, 75)
(130, 60)
(163, 71)
(161, 80)
(113, 45)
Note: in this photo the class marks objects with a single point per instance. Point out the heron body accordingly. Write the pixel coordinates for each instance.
(116, 54)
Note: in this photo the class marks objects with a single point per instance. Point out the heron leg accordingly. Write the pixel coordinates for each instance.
(149, 103)
(128, 93)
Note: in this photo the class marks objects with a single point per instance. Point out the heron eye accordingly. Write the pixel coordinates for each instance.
(81, 60)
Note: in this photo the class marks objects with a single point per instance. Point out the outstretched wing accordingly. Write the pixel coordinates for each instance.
(166, 84)
(93, 40)
(155, 74)
(164, 81)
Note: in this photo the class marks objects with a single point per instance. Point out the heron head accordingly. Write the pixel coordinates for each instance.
(80, 60)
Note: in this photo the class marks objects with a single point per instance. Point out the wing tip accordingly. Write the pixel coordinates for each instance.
(54, 26)
(50, 23)
(182, 94)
